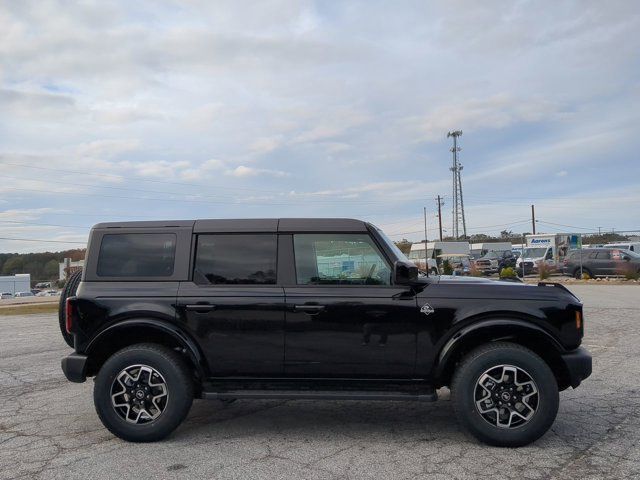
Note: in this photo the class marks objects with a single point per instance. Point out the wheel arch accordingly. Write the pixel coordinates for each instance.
(143, 330)
(513, 330)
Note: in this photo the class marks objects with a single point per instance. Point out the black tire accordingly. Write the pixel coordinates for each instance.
(179, 386)
(69, 290)
(493, 355)
(577, 275)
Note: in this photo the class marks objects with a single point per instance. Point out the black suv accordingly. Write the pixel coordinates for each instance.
(598, 262)
(309, 309)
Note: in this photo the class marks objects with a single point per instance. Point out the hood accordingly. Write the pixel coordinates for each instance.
(476, 287)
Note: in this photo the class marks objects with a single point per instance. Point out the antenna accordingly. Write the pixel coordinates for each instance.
(458, 202)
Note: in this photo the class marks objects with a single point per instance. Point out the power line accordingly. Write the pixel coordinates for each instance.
(42, 241)
(45, 224)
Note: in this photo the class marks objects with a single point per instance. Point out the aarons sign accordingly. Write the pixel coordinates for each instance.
(540, 241)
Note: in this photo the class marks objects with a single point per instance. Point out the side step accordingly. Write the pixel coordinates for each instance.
(426, 396)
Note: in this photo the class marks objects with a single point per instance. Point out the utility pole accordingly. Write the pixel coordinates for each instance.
(458, 203)
(533, 218)
(426, 260)
(440, 203)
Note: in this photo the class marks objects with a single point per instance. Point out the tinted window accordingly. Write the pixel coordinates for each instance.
(137, 255)
(604, 255)
(236, 259)
(339, 259)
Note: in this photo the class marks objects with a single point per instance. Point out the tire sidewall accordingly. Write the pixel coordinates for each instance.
(178, 402)
(548, 397)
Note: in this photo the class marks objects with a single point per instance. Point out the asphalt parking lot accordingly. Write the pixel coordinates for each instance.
(49, 429)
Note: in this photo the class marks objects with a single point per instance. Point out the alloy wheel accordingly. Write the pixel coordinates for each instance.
(139, 394)
(506, 396)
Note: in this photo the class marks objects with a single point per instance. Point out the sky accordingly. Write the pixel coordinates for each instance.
(212, 109)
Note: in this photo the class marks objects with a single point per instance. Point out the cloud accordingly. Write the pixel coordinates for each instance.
(293, 108)
(244, 171)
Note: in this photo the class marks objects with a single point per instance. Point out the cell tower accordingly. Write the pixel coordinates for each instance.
(458, 203)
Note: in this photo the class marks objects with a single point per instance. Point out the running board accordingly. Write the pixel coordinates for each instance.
(427, 396)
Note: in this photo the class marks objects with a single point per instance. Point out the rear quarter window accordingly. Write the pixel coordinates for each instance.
(137, 255)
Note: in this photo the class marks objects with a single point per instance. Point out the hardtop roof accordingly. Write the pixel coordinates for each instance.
(257, 225)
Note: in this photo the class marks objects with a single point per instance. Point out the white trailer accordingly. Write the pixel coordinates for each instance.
(434, 250)
(481, 249)
(15, 283)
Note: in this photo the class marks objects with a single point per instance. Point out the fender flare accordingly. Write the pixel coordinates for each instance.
(506, 328)
(181, 337)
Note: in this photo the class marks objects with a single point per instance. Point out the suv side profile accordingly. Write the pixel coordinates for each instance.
(166, 312)
(598, 262)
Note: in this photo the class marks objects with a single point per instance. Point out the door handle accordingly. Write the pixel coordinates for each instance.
(200, 307)
(310, 309)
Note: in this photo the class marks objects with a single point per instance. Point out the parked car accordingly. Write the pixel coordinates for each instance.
(598, 262)
(166, 312)
(23, 294)
(460, 263)
(6, 295)
(494, 261)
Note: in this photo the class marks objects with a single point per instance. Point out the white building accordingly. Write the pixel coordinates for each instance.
(15, 283)
(72, 266)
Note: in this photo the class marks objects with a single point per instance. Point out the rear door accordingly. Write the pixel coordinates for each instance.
(605, 265)
(344, 317)
(233, 304)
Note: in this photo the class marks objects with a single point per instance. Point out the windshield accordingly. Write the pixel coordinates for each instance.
(534, 252)
(396, 251)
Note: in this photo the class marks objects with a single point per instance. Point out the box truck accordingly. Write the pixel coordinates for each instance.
(547, 248)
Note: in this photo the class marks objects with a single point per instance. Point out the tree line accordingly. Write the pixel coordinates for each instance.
(43, 267)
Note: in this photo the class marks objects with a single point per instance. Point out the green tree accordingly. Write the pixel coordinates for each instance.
(13, 265)
(51, 269)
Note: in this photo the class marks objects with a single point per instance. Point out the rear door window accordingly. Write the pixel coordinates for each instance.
(137, 255)
(238, 259)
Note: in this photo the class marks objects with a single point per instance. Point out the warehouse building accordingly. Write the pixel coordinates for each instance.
(15, 283)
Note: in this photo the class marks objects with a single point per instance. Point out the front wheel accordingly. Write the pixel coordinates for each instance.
(143, 392)
(505, 395)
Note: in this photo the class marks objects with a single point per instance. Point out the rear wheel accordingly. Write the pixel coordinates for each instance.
(505, 395)
(143, 392)
(70, 289)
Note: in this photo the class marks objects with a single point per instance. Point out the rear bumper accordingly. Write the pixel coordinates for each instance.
(74, 367)
(578, 365)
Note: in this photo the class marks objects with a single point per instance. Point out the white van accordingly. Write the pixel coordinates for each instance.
(633, 246)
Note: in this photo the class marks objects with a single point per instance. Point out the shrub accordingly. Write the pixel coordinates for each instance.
(473, 271)
(544, 271)
(585, 276)
(631, 274)
(508, 272)
(447, 269)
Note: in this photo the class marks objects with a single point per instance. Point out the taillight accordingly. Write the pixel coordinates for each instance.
(68, 324)
(578, 319)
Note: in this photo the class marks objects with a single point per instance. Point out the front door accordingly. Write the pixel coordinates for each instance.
(344, 317)
(234, 306)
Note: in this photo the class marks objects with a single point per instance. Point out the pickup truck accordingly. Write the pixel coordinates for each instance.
(324, 309)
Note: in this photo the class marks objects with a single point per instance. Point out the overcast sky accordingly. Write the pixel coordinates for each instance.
(212, 109)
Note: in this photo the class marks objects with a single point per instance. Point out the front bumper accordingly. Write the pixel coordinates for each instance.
(578, 365)
(74, 367)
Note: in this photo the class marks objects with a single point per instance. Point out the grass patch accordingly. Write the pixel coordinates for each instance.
(27, 309)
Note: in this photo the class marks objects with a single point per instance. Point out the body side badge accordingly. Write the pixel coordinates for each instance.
(427, 309)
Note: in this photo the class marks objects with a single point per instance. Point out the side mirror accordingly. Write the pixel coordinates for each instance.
(404, 273)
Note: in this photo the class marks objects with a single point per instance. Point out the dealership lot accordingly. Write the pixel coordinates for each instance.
(49, 429)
